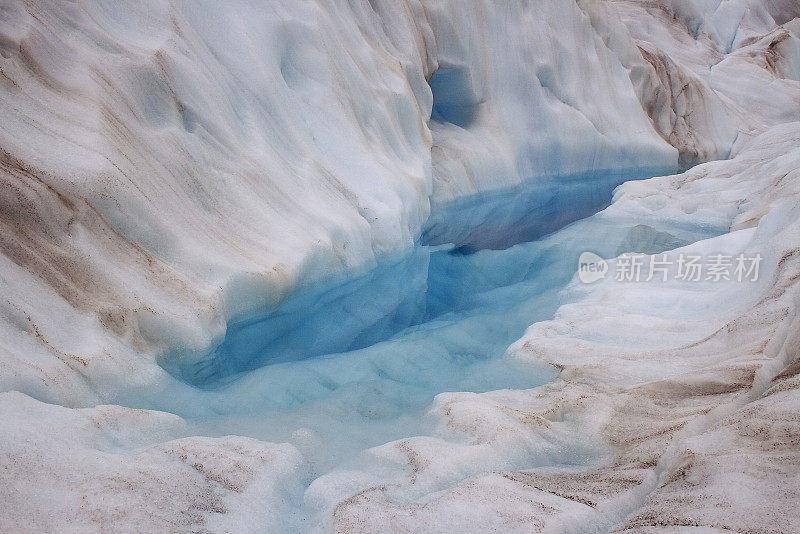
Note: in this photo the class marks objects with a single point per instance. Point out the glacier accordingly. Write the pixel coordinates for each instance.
(310, 266)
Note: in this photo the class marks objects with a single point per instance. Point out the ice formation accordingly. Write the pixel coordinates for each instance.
(269, 266)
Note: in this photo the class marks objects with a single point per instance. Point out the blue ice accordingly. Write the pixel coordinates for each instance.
(357, 364)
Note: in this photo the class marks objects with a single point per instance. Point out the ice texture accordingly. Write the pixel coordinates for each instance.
(261, 264)
(675, 405)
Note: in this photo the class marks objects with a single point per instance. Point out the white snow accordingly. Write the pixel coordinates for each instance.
(646, 370)
(170, 170)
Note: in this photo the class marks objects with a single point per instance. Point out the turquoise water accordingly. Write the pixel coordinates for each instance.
(438, 277)
(342, 368)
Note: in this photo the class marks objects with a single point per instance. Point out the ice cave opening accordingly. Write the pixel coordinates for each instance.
(454, 97)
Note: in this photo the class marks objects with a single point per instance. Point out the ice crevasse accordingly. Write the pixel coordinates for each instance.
(170, 170)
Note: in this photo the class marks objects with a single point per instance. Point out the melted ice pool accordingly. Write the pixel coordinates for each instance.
(342, 368)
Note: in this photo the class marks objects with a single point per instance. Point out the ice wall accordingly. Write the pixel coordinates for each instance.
(676, 401)
(702, 69)
(536, 107)
(170, 166)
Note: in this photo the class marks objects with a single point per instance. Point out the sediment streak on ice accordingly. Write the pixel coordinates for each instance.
(169, 167)
(676, 403)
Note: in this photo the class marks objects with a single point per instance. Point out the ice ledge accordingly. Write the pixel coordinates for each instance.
(668, 391)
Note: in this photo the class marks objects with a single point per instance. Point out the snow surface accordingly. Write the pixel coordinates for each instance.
(648, 371)
(173, 173)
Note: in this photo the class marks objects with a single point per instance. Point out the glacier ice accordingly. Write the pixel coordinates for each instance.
(261, 265)
(660, 384)
(337, 315)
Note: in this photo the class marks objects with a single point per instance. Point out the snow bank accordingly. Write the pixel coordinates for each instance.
(169, 168)
(667, 391)
(113, 468)
(700, 91)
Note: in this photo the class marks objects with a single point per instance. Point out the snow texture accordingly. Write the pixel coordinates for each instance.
(371, 185)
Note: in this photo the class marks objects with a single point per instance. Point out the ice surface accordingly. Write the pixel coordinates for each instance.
(392, 339)
(514, 215)
(344, 315)
(203, 162)
(217, 189)
(667, 391)
(331, 409)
